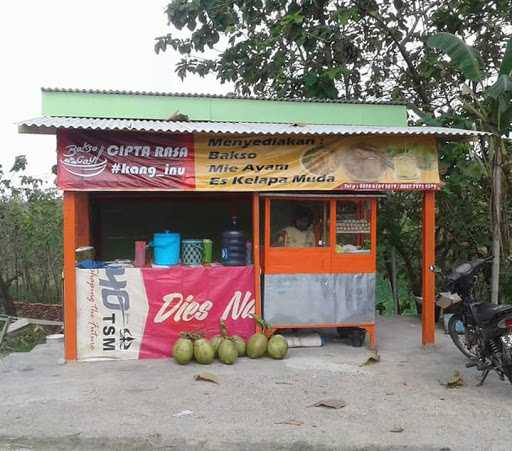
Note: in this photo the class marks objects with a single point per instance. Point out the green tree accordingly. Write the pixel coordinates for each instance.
(487, 100)
(364, 50)
(30, 243)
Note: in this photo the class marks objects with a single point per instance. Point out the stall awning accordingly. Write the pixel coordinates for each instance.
(49, 125)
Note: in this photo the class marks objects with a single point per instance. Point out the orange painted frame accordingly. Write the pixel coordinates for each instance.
(76, 233)
(256, 251)
(352, 263)
(338, 263)
(278, 260)
(428, 328)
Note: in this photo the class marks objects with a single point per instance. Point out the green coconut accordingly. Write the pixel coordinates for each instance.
(240, 345)
(215, 342)
(256, 346)
(183, 351)
(277, 347)
(228, 352)
(203, 351)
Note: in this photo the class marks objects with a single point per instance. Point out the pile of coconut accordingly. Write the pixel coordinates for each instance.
(226, 348)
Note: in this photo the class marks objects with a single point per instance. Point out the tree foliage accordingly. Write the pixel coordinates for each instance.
(363, 49)
(31, 239)
(372, 50)
(488, 103)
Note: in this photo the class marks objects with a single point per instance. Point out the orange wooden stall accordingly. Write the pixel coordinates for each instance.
(320, 260)
(267, 259)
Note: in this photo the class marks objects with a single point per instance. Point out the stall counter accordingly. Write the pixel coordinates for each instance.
(139, 313)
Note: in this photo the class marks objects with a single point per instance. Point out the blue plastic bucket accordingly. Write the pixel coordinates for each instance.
(166, 248)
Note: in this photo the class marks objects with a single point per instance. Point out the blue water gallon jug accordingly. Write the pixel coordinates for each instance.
(233, 245)
(166, 248)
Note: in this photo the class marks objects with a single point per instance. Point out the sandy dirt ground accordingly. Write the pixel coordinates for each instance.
(398, 403)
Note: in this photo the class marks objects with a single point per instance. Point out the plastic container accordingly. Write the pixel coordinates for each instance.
(459, 325)
(248, 253)
(192, 252)
(233, 245)
(140, 254)
(309, 340)
(207, 251)
(166, 248)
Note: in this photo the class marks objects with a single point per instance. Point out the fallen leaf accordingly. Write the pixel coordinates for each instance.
(455, 381)
(207, 377)
(330, 403)
(183, 413)
(374, 357)
(292, 422)
(397, 429)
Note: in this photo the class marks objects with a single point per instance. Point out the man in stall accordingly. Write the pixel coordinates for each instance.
(300, 232)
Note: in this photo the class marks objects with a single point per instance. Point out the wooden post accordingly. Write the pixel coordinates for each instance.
(394, 282)
(70, 244)
(256, 251)
(429, 256)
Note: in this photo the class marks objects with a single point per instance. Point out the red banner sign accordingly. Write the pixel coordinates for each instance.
(110, 161)
(131, 313)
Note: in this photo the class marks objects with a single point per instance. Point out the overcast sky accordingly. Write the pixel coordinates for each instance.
(93, 44)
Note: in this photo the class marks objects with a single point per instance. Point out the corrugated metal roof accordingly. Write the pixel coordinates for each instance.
(48, 125)
(220, 96)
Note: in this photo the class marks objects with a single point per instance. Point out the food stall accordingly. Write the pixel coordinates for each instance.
(304, 196)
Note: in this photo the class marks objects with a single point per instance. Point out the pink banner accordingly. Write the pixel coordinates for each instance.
(187, 299)
(132, 313)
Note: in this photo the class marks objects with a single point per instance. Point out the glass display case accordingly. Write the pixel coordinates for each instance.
(353, 226)
(299, 224)
(319, 261)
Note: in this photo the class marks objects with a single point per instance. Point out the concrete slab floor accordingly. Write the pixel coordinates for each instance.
(132, 405)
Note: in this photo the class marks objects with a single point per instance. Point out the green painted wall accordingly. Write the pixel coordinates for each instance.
(137, 106)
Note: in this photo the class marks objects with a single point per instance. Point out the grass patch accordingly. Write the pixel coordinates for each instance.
(384, 297)
(23, 341)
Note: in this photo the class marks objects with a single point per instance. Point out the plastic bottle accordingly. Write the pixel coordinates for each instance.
(248, 253)
(233, 245)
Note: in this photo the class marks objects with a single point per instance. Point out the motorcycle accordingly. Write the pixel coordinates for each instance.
(480, 330)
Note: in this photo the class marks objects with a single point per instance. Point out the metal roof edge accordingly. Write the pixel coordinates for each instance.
(221, 96)
(49, 125)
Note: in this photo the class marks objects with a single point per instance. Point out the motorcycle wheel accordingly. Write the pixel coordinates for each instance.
(459, 338)
(508, 372)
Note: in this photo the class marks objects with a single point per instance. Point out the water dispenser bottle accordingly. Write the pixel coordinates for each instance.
(233, 245)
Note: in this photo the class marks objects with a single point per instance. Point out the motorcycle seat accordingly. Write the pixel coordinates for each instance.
(485, 312)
